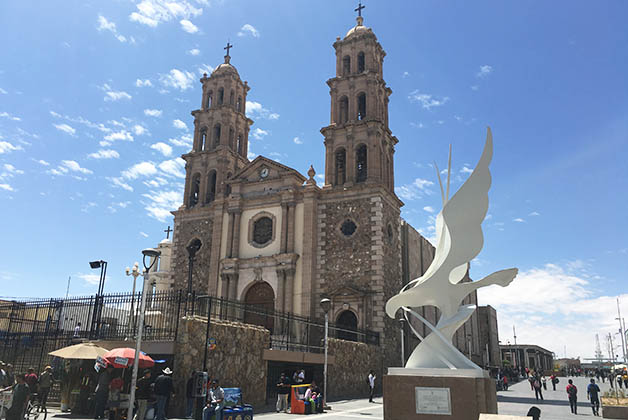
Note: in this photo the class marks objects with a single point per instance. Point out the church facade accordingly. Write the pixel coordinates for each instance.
(262, 233)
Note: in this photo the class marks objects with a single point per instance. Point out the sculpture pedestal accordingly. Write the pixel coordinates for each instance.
(422, 394)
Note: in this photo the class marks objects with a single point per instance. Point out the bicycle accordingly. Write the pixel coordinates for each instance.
(34, 409)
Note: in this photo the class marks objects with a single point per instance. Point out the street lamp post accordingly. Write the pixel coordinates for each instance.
(97, 304)
(152, 254)
(402, 322)
(326, 306)
(135, 273)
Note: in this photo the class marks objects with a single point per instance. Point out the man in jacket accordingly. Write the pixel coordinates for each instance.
(572, 392)
(163, 389)
(143, 394)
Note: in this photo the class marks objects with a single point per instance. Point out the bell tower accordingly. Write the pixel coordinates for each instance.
(221, 136)
(359, 146)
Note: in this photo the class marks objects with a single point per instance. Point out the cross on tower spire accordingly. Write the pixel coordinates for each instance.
(168, 232)
(359, 9)
(228, 47)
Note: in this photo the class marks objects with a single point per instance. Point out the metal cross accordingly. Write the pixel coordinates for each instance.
(168, 232)
(229, 46)
(359, 8)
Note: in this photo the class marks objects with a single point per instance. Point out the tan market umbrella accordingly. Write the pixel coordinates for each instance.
(86, 351)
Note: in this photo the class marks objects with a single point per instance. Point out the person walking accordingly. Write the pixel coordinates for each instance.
(572, 392)
(45, 382)
(625, 379)
(189, 394)
(283, 389)
(163, 389)
(619, 381)
(102, 392)
(544, 382)
(371, 380)
(554, 380)
(593, 391)
(21, 393)
(216, 402)
(538, 390)
(77, 331)
(143, 394)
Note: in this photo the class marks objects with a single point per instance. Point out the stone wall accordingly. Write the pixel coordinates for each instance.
(237, 360)
(346, 378)
(185, 230)
(487, 324)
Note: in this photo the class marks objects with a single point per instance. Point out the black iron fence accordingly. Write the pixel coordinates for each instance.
(30, 329)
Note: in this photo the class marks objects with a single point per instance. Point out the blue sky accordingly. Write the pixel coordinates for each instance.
(95, 101)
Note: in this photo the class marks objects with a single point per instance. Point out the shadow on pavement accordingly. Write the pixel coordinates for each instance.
(527, 400)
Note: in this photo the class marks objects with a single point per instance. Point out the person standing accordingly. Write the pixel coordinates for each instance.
(619, 381)
(45, 382)
(216, 402)
(544, 382)
(143, 395)
(102, 392)
(283, 389)
(163, 389)
(371, 379)
(625, 378)
(572, 392)
(189, 394)
(21, 393)
(77, 330)
(538, 390)
(593, 391)
(31, 380)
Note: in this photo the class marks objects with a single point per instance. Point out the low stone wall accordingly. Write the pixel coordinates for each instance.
(237, 360)
(353, 361)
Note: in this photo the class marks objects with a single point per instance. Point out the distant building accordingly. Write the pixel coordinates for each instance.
(489, 337)
(527, 356)
(566, 363)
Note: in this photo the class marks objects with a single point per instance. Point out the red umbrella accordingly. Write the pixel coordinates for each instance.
(124, 357)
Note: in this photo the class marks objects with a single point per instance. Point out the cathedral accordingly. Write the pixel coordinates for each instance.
(262, 233)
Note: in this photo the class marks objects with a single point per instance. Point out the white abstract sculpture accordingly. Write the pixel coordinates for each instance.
(460, 239)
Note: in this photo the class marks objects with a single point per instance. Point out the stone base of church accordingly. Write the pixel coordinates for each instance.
(438, 394)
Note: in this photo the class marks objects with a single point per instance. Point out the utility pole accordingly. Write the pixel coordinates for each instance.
(621, 332)
(514, 334)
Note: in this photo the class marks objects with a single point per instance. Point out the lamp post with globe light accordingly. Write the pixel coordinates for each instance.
(152, 254)
(326, 306)
(135, 273)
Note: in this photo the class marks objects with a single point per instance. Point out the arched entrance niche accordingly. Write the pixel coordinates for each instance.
(260, 303)
(347, 320)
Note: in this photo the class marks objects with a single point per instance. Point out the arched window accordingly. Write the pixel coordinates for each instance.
(228, 186)
(208, 104)
(231, 138)
(346, 324)
(239, 104)
(203, 138)
(343, 110)
(211, 187)
(221, 96)
(361, 65)
(216, 139)
(240, 145)
(263, 230)
(231, 97)
(360, 163)
(341, 166)
(361, 106)
(194, 190)
(346, 65)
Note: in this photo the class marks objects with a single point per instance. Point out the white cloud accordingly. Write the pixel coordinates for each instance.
(92, 279)
(162, 203)
(3, 92)
(81, 120)
(140, 169)
(194, 51)
(256, 110)
(475, 87)
(6, 187)
(429, 209)
(118, 182)
(69, 167)
(178, 79)
(105, 25)
(484, 71)
(111, 95)
(534, 213)
(154, 12)
(297, 140)
(183, 141)
(417, 189)
(405, 74)
(259, 134)
(188, 26)
(119, 135)
(74, 166)
(65, 128)
(139, 130)
(163, 148)
(5, 114)
(43, 162)
(205, 69)
(6, 147)
(152, 112)
(248, 29)
(174, 167)
(144, 234)
(104, 154)
(143, 83)
(518, 220)
(427, 101)
(9, 171)
(179, 124)
(466, 170)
